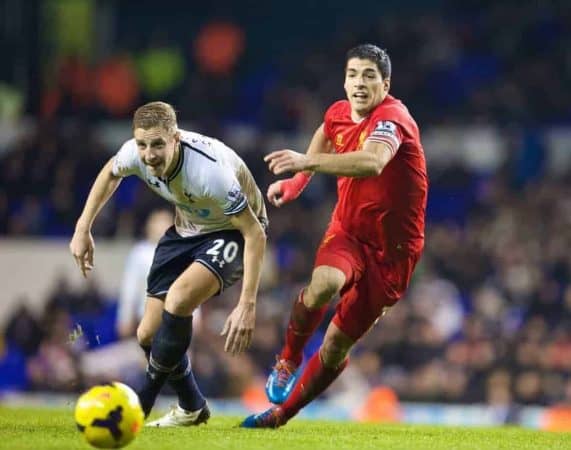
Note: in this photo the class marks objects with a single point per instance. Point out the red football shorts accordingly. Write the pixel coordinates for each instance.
(373, 281)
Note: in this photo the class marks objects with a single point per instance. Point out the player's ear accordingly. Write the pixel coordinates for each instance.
(177, 136)
(387, 84)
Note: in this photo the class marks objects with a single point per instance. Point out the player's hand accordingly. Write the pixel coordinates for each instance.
(282, 161)
(239, 328)
(285, 191)
(275, 194)
(82, 248)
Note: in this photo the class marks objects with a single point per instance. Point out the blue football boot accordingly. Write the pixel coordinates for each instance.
(281, 381)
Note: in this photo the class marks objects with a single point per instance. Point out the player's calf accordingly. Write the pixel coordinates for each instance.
(335, 347)
(169, 346)
(145, 340)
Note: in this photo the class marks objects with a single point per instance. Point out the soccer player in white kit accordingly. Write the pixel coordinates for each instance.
(218, 237)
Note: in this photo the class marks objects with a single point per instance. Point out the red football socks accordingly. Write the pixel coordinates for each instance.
(313, 381)
(302, 324)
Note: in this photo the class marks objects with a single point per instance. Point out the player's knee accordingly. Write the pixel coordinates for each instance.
(325, 284)
(144, 336)
(182, 299)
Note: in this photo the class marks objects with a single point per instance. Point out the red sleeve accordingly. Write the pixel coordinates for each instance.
(387, 131)
(330, 114)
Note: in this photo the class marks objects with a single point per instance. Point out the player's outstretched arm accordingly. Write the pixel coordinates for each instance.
(369, 161)
(284, 191)
(239, 327)
(82, 245)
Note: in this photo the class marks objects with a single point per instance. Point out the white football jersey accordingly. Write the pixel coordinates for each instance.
(209, 184)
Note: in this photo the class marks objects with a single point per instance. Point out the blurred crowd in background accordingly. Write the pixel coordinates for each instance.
(488, 315)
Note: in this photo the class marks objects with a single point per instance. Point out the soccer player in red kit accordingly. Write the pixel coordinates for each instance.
(375, 237)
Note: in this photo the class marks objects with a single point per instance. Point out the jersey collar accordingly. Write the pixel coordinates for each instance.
(178, 166)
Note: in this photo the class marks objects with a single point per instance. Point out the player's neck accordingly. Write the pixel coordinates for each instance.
(174, 162)
(358, 117)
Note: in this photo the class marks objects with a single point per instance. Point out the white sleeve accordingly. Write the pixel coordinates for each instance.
(126, 161)
(224, 189)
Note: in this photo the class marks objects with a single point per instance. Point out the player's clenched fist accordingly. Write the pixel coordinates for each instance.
(275, 194)
(82, 247)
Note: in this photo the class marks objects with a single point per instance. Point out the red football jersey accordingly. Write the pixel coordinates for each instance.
(385, 211)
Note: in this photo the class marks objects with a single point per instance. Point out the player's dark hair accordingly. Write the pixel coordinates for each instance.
(373, 53)
(155, 114)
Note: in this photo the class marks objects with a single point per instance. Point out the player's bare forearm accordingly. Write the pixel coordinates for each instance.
(104, 186)
(239, 327)
(254, 250)
(361, 163)
(369, 161)
(354, 164)
(82, 245)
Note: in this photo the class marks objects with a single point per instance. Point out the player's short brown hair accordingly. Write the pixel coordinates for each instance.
(155, 114)
(373, 53)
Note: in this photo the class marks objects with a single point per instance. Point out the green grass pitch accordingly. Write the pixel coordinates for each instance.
(38, 429)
